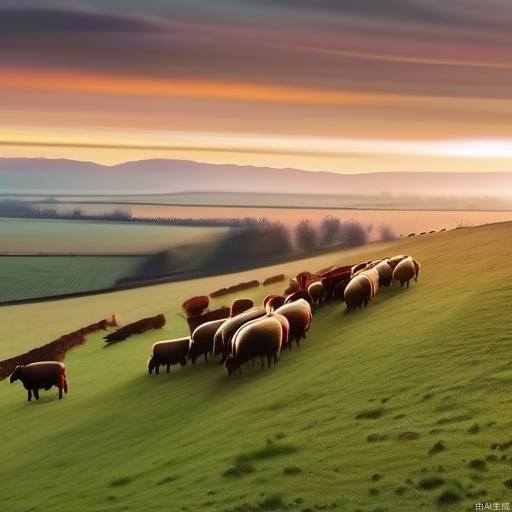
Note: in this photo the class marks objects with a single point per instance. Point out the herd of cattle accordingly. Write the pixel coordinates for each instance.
(246, 333)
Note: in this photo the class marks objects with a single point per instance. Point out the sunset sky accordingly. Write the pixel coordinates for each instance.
(346, 85)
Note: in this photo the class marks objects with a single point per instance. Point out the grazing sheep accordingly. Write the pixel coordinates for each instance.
(298, 314)
(260, 338)
(357, 292)
(385, 273)
(395, 260)
(317, 293)
(373, 277)
(406, 270)
(292, 287)
(41, 375)
(285, 341)
(216, 314)
(335, 281)
(225, 333)
(269, 307)
(201, 340)
(298, 295)
(273, 301)
(240, 305)
(167, 353)
(360, 266)
(361, 289)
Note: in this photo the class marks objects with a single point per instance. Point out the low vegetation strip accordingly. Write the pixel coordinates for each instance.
(235, 288)
(55, 350)
(138, 327)
(274, 279)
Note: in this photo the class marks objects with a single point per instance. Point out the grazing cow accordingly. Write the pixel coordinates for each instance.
(260, 338)
(167, 353)
(406, 270)
(41, 375)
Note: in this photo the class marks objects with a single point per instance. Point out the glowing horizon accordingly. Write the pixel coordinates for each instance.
(339, 88)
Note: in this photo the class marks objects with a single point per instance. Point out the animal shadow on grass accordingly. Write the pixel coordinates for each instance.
(223, 384)
(244, 463)
(385, 293)
(370, 414)
(121, 482)
(388, 292)
(45, 397)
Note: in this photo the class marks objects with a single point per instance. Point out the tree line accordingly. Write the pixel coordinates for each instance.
(258, 237)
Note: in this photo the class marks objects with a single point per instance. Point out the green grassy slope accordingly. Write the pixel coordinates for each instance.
(347, 422)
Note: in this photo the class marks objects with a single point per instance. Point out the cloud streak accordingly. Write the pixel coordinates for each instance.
(23, 21)
(316, 68)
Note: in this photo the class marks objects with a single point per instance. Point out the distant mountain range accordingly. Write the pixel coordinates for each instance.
(54, 177)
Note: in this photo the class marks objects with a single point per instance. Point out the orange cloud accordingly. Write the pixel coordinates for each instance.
(242, 91)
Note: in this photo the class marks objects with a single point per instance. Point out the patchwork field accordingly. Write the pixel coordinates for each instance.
(26, 277)
(403, 406)
(57, 257)
(79, 237)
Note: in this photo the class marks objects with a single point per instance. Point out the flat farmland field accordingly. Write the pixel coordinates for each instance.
(88, 237)
(27, 277)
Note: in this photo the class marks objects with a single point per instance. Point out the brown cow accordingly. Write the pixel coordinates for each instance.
(41, 375)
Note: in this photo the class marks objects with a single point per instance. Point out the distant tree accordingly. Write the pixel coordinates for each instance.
(354, 233)
(252, 245)
(121, 215)
(306, 236)
(386, 233)
(330, 229)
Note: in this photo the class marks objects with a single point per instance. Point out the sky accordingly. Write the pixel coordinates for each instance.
(347, 85)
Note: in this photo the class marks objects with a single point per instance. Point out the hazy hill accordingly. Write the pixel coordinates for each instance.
(47, 176)
(402, 406)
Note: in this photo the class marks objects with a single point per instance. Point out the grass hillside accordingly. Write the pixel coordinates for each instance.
(403, 406)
